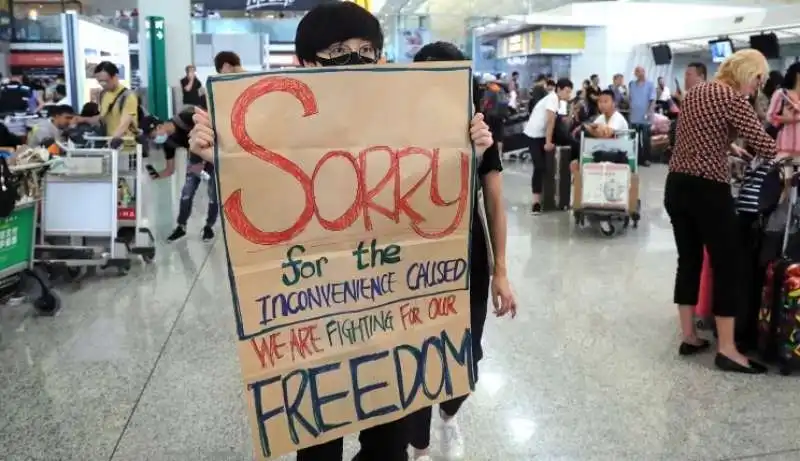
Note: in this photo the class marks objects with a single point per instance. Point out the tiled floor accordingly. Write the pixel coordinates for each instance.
(144, 367)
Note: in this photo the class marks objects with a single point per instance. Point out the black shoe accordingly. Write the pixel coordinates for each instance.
(687, 349)
(536, 209)
(726, 364)
(177, 234)
(208, 234)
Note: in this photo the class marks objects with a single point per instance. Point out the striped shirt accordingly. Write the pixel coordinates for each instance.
(747, 200)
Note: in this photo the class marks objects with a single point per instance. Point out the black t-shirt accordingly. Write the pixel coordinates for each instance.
(180, 138)
(193, 95)
(592, 92)
(537, 94)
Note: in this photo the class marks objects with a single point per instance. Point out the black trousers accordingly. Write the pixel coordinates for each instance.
(419, 422)
(645, 148)
(754, 274)
(536, 149)
(703, 214)
(386, 442)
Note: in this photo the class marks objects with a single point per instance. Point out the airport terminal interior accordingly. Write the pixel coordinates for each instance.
(144, 360)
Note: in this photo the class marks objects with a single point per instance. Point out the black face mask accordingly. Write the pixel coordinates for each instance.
(345, 59)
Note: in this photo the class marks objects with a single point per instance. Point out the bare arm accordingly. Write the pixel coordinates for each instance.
(496, 212)
(551, 126)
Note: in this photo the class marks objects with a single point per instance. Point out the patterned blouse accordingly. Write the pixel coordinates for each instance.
(712, 116)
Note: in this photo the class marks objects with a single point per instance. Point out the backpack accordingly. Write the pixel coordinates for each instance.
(119, 102)
(9, 188)
(495, 101)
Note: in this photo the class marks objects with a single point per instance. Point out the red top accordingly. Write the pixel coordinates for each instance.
(712, 116)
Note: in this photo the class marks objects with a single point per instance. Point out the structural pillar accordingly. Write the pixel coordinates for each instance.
(177, 30)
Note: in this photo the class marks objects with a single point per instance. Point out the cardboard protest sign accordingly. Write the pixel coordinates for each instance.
(347, 199)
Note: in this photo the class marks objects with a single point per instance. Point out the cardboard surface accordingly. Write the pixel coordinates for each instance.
(347, 200)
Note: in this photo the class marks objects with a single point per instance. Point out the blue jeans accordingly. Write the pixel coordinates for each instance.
(193, 181)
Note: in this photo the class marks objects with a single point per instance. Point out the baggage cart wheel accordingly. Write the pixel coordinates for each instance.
(47, 304)
(785, 370)
(578, 219)
(626, 222)
(148, 255)
(607, 228)
(124, 268)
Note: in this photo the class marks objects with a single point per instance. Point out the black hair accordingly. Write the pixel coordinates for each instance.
(108, 67)
(90, 109)
(439, 51)
(773, 83)
(790, 78)
(700, 68)
(226, 57)
(61, 89)
(60, 109)
(541, 78)
(330, 23)
(446, 51)
(515, 74)
(607, 93)
(564, 83)
(593, 76)
(550, 82)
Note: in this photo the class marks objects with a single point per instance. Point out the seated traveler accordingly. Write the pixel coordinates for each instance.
(610, 120)
(53, 127)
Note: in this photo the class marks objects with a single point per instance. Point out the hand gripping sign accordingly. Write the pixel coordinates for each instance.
(347, 198)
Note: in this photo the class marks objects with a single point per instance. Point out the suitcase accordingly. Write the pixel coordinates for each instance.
(779, 313)
(557, 187)
(705, 299)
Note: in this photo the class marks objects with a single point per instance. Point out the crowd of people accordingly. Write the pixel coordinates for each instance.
(697, 197)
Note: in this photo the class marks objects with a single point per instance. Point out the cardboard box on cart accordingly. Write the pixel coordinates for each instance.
(588, 147)
(577, 191)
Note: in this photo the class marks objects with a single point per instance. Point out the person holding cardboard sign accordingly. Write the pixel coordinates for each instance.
(487, 252)
(335, 34)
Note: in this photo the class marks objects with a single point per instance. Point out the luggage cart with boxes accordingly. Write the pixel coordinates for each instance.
(606, 188)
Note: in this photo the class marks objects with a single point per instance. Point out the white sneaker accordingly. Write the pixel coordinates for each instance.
(450, 438)
(424, 458)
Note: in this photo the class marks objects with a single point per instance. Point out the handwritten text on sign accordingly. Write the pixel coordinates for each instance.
(347, 226)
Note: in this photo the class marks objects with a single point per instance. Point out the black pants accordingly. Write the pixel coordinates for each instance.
(386, 442)
(702, 214)
(754, 274)
(419, 422)
(645, 147)
(536, 148)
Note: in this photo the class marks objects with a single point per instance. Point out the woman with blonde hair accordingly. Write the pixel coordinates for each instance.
(699, 202)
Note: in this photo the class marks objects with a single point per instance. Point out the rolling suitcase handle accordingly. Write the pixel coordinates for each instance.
(792, 201)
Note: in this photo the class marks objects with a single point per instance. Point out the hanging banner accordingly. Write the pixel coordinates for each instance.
(347, 241)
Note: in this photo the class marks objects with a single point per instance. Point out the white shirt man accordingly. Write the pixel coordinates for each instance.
(537, 122)
(615, 121)
(540, 130)
(609, 117)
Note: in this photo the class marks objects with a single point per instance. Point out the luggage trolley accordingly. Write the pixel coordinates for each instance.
(17, 240)
(80, 203)
(606, 189)
(134, 201)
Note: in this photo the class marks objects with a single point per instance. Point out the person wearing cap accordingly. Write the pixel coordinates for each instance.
(171, 135)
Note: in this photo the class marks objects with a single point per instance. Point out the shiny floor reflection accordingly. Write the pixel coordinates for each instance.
(144, 367)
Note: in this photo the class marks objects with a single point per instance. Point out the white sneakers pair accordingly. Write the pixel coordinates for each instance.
(450, 440)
